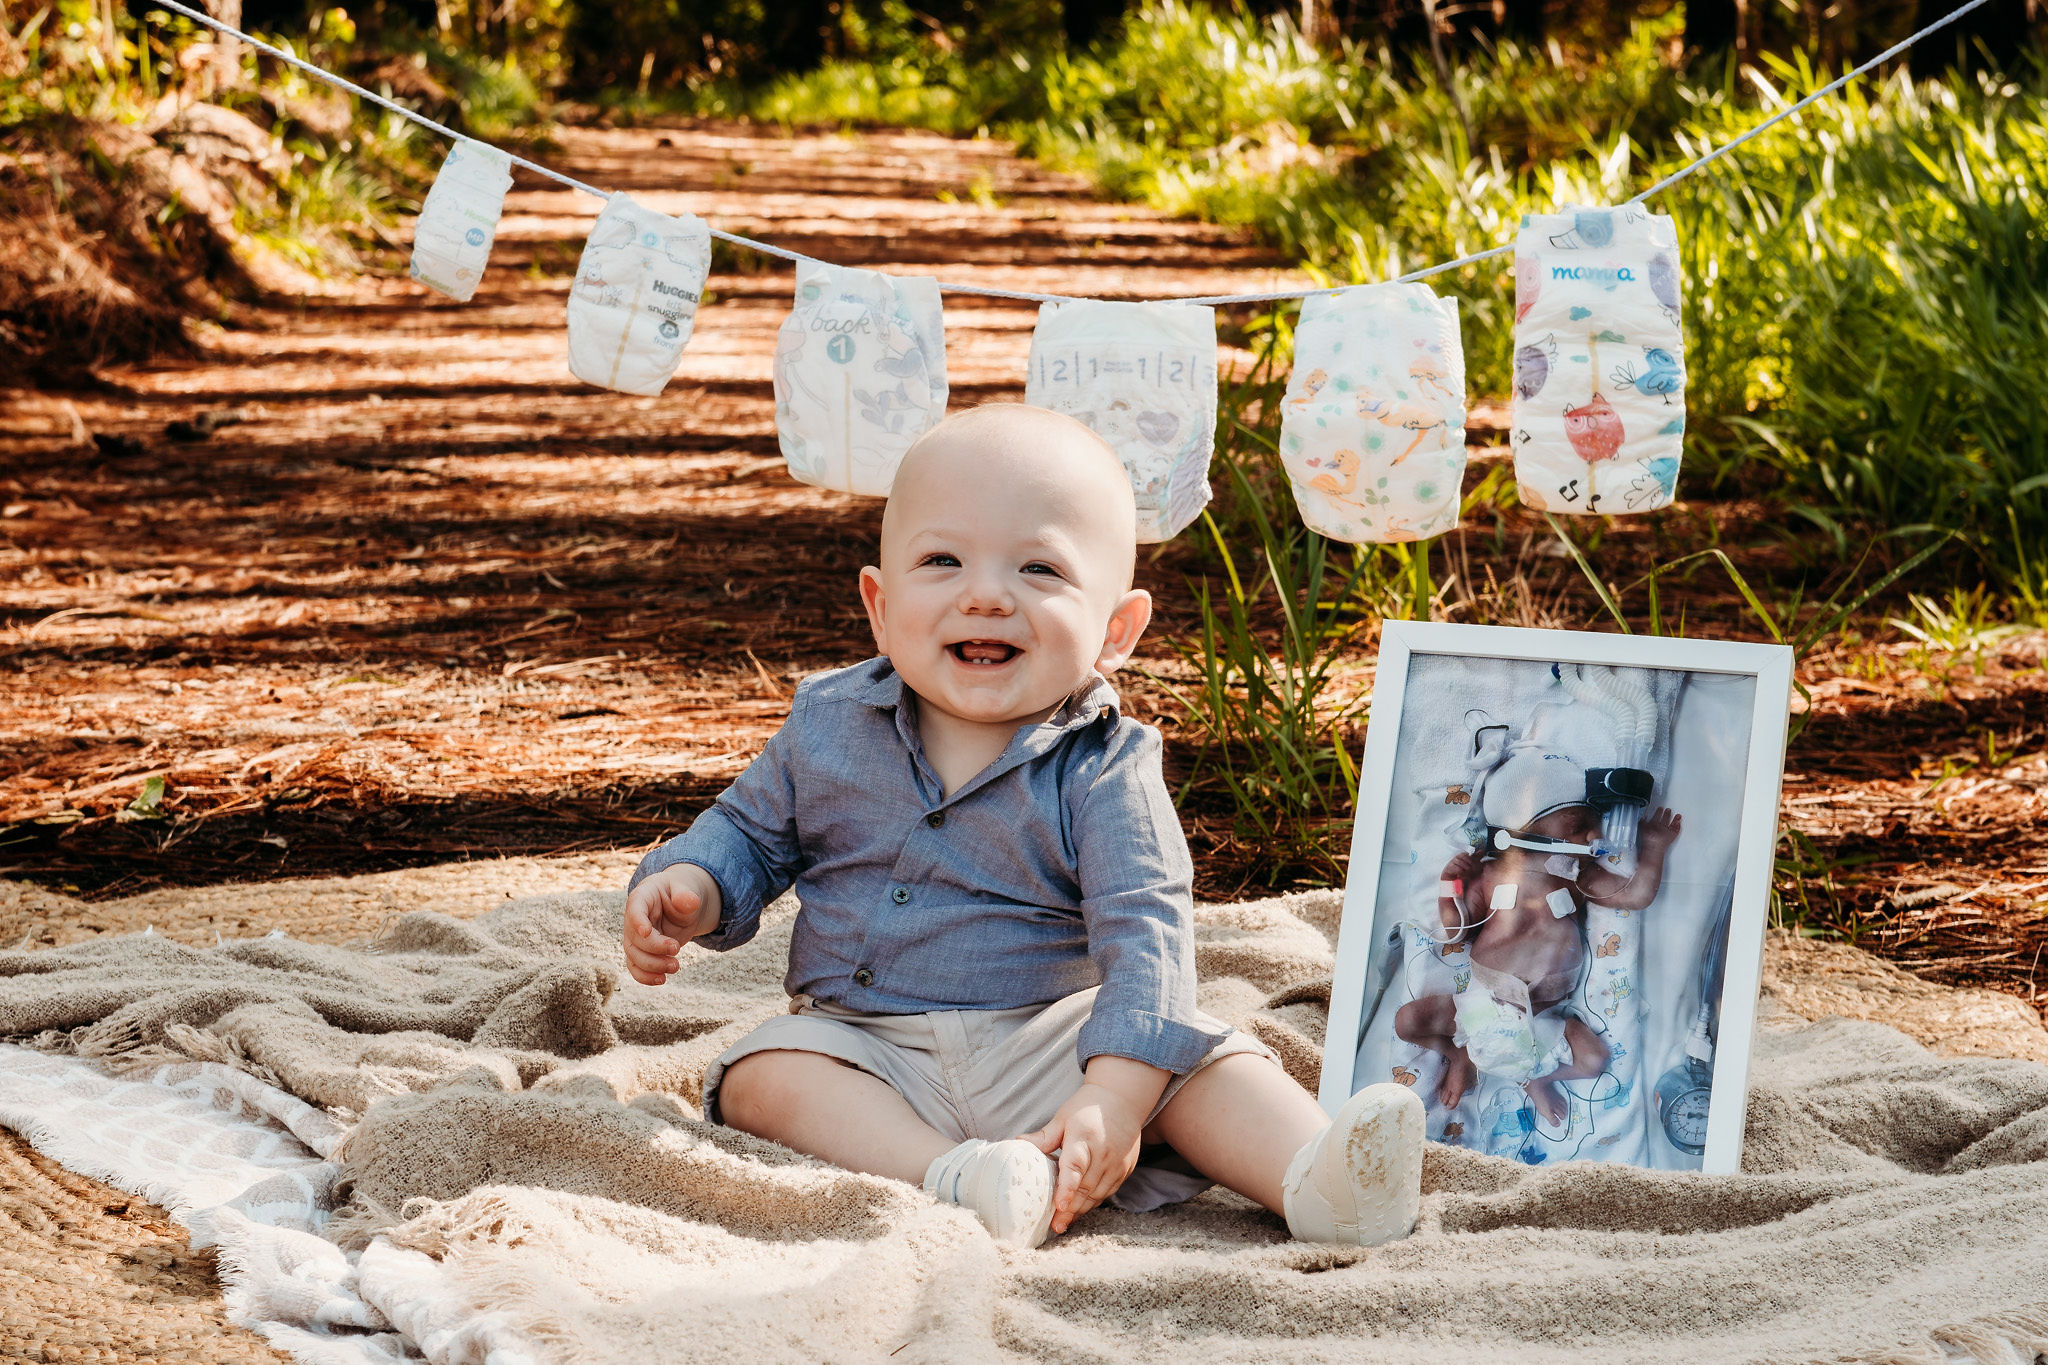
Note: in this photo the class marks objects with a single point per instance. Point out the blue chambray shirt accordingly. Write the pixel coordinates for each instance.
(1058, 867)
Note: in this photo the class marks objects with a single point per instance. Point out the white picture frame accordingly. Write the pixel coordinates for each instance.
(1398, 980)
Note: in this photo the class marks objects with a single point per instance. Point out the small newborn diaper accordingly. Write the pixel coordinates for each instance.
(1497, 1032)
(635, 297)
(860, 373)
(451, 239)
(1372, 432)
(1599, 415)
(1142, 376)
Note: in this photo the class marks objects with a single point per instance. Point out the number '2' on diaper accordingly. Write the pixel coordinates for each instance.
(1142, 376)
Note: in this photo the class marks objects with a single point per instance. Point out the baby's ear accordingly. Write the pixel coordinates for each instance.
(871, 598)
(1126, 624)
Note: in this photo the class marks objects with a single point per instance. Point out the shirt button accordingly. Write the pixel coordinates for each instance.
(899, 895)
(936, 819)
(863, 977)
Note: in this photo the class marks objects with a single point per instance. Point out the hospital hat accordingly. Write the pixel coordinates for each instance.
(1529, 785)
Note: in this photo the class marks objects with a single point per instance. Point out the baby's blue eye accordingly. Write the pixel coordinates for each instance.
(944, 561)
(1042, 568)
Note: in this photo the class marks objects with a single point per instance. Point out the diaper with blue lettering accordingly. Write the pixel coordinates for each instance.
(1599, 407)
(451, 239)
(1142, 376)
(1372, 431)
(635, 299)
(860, 373)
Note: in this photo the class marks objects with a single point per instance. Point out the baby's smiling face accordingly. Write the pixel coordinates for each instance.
(1006, 565)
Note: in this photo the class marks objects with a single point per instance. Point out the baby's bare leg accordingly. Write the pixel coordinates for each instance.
(1239, 1121)
(1432, 1022)
(826, 1109)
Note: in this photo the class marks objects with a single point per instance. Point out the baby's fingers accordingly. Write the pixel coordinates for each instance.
(1066, 1195)
(649, 969)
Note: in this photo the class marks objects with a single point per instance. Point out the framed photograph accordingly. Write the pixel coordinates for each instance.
(1560, 876)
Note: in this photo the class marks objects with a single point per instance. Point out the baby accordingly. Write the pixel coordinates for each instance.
(994, 960)
(1515, 917)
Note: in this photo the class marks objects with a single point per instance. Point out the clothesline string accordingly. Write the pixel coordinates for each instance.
(1025, 295)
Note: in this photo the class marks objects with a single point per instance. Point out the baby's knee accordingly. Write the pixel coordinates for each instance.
(759, 1090)
(753, 1090)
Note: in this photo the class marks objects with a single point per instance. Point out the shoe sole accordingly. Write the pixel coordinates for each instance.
(1382, 1153)
(1022, 1196)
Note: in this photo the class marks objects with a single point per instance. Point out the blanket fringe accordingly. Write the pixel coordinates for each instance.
(435, 1227)
(358, 1219)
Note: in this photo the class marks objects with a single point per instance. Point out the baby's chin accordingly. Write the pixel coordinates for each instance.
(999, 701)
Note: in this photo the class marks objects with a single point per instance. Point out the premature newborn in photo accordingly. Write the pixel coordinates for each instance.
(1514, 911)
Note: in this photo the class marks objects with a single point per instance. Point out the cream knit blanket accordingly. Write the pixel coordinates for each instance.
(526, 1178)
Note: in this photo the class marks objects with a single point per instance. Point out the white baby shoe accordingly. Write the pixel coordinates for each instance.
(1008, 1185)
(1359, 1181)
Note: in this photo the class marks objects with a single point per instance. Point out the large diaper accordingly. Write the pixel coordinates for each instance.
(1497, 1029)
(451, 239)
(860, 373)
(1599, 415)
(1142, 376)
(635, 297)
(1372, 432)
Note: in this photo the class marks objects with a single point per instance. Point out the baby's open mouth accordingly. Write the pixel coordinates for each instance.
(983, 652)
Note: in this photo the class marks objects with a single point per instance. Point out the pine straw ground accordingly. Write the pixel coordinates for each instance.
(420, 596)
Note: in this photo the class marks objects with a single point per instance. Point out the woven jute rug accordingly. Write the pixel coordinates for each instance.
(90, 1274)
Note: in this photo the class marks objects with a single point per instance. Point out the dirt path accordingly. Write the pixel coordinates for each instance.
(434, 598)
(435, 595)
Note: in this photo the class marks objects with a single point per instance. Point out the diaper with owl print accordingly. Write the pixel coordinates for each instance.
(635, 299)
(860, 373)
(1599, 405)
(1143, 377)
(1372, 431)
(451, 239)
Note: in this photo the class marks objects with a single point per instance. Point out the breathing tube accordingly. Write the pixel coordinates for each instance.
(1620, 794)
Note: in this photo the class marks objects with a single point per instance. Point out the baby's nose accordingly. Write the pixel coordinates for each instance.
(986, 597)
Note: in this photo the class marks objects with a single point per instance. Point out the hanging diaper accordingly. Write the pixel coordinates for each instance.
(1599, 413)
(1372, 432)
(451, 239)
(635, 297)
(860, 373)
(1142, 376)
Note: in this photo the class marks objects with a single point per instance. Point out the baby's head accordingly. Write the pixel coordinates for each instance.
(1007, 549)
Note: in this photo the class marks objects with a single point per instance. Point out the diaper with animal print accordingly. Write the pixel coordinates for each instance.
(860, 373)
(1599, 409)
(451, 239)
(1372, 431)
(635, 299)
(1142, 376)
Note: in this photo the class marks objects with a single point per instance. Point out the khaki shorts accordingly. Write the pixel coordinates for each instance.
(990, 1074)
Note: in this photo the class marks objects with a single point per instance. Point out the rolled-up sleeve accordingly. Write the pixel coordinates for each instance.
(746, 839)
(1137, 884)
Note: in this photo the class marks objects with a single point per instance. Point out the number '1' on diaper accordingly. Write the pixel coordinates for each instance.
(1142, 376)
(1599, 410)
(1372, 431)
(635, 299)
(451, 239)
(860, 373)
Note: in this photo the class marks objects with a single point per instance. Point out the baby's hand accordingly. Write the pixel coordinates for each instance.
(1661, 829)
(674, 904)
(1096, 1133)
(1462, 868)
